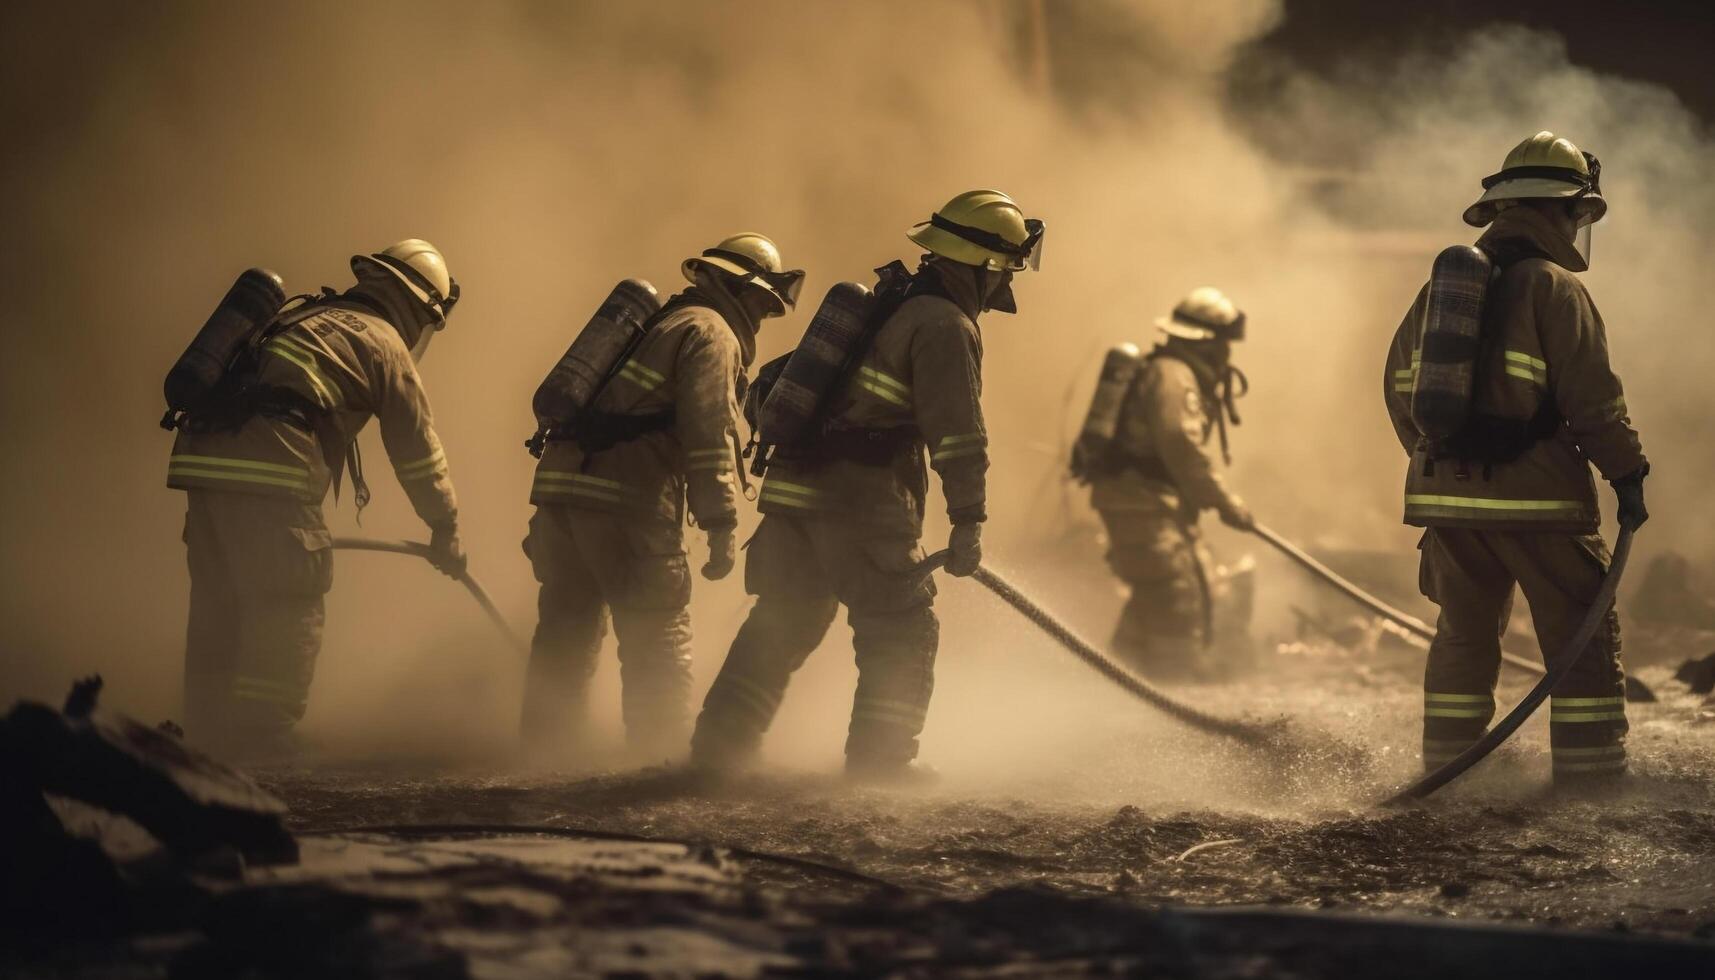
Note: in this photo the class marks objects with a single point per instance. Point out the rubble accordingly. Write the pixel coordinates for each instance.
(100, 813)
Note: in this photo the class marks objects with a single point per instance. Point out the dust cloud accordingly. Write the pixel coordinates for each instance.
(549, 149)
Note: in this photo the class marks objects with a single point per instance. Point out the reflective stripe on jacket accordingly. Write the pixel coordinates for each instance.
(351, 365)
(690, 364)
(923, 372)
(1543, 342)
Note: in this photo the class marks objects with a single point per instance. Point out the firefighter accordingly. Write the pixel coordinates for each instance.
(842, 515)
(610, 502)
(1514, 502)
(256, 472)
(1158, 474)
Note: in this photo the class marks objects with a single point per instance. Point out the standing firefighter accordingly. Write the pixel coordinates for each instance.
(611, 492)
(1499, 387)
(1152, 471)
(257, 460)
(843, 506)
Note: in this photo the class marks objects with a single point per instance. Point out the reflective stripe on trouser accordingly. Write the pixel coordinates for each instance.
(1471, 575)
(1160, 629)
(259, 568)
(592, 566)
(1452, 722)
(1587, 735)
(800, 570)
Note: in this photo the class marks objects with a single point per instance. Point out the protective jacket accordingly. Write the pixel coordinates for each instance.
(918, 387)
(1542, 368)
(327, 375)
(682, 384)
(1162, 457)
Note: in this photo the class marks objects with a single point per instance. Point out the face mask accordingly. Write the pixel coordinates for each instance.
(1581, 241)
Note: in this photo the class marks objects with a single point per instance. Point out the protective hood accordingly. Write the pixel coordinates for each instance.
(1521, 232)
(711, 291)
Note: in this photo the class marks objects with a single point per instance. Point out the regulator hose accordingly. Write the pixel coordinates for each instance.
(419, 550)
(1568, 659)
(1636, 690)
(1256, 732)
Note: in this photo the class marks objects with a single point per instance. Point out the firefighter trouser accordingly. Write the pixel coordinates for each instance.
(1470, 575)
(590, 563)
(259, 566)
(1158, 555)
(800, 570)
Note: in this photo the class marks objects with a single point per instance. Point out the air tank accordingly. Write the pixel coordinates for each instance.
(249, 305)
(1450, 341)
(816, 366)
(596, 351)
(1119, 370)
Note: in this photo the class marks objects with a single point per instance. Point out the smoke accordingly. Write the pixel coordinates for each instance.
(552, 149)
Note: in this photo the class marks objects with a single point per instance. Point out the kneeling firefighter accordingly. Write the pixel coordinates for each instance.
(1499, 387)
(641, 415)
(268, 403)
(1145, 451)
(877, 380)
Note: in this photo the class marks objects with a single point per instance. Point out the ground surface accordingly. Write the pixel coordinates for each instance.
(1287, 828)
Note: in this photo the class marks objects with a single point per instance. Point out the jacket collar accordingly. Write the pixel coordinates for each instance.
(1521, 232)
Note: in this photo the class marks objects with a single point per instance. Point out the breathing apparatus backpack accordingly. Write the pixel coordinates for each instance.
(1446, 363)
(792, 401)
(583, 372)
(1445, 360)
(212, 384)
(1096, 437)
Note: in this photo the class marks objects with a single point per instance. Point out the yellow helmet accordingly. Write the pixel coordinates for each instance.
(754, 259)
(1204, 314)
(423, 270)
(985, 229)
(1544, 166)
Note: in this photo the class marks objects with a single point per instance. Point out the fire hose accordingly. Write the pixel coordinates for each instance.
(418, 550)
(1243, 730)
(1568, 659)
(1413, 627)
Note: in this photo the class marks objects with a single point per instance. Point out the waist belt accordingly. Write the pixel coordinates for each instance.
(230, 411)
(866, 447)
(596, 432)
(1491, 439)
(1148, 467)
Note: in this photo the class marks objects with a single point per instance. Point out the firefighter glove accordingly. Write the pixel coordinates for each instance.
(1630, 490)
(445, 551)
(723, 554)
(1235, 514)
(964, 549)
